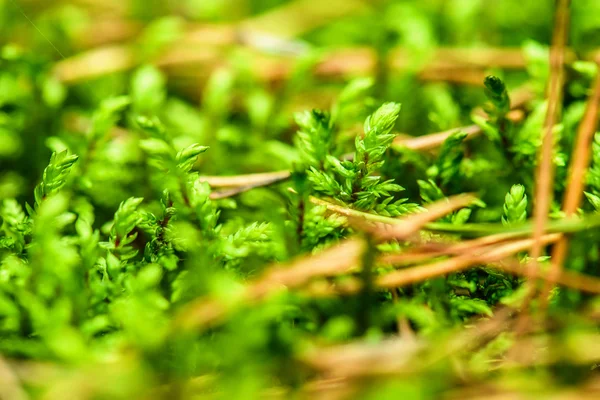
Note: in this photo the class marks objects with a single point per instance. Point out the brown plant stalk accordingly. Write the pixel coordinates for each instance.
(545, 171)
(336, 260)
(187, 56)
(580, 160)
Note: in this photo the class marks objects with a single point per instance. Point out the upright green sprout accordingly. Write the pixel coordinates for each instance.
(515, 205)
(496, 92)
(55, 175)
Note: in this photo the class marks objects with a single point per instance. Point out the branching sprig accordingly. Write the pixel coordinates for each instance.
(175, 165)
(55, 176)
(355, 182)
(497, 125)
(122, 234)
(16, 226)
(447, 166)
(495, 91)
(315, 137)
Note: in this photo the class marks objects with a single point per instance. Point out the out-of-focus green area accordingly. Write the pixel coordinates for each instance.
(130, 268)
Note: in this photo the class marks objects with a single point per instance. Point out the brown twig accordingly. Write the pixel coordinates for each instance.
(336, 260)
(430, 250)
(573, 280)
(580, 160)
(483, 256)
(359, 359)
(407, 226)
(495, 256)
(189, 56)
(236, 184)
(95, 63)
(10, 387)
(434, 140)
(242, 180)
(545, 171)
(519, 99)
(104, 31)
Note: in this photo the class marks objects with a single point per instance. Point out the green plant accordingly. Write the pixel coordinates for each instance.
(243, 209)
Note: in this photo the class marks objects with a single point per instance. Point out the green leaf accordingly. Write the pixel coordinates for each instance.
(148, 92)
(187, 157)
(515, 205)
(496, 92)
(55, 175)
(594, 200)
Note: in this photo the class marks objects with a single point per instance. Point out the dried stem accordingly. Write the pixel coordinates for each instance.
(360, 219)
(10, 387)
(520, 98)
(545, 171)
(494, 256)
(242, 180)
(187, 56)
(336, 260)
(359, 359)
(237, 184)
(580, 160)
(486, 255)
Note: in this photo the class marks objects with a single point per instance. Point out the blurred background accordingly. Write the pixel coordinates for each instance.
(235, 71)
(231, 74)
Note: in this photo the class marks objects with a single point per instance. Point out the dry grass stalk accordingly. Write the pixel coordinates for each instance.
(336, 260)
(519, 99)
(95, 63)
(241, 180)
(285, 21)
(361, 359)
(344, 63)
(570, 279)
(10, 387)
(385, 228)
(104, 31)
(282, 22)
(431, 250)
(434, 140)
(409, 225)
(545, 172)
(346, 363)
(489, 255)
(330, 389)
(233, 185)
(482, 256)
(577, 173)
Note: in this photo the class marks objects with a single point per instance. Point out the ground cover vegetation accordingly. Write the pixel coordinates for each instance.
(244, 199)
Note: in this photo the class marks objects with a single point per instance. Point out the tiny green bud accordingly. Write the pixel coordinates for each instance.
(515, 205)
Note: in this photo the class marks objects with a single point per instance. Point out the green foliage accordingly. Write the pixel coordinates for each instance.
(495, 91)
(498, 127)
(55, 176)
(314, 139)
(515, 205)
(142, 270)
(121, 233)
(354, 182)
(593, 177)
(447, 167)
